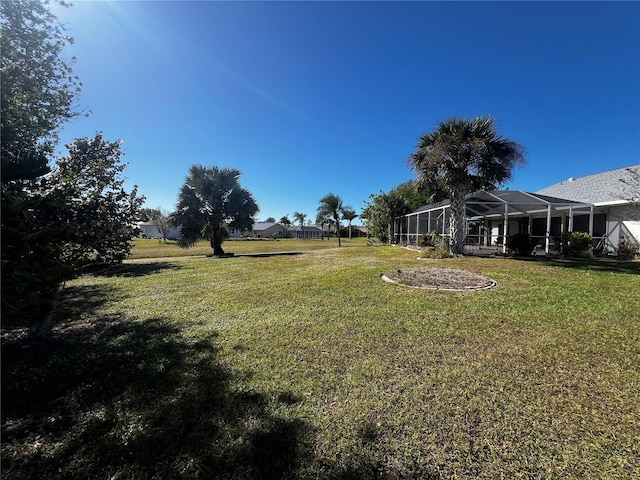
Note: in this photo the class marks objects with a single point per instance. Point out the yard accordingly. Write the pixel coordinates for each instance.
(310, 366)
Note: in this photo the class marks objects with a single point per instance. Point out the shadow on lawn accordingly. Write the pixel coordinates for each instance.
(119, 397)
(133, 269)
(596, 264)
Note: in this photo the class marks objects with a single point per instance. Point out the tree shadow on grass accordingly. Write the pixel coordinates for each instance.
(132, 269)
(120, 397)
(595, 264)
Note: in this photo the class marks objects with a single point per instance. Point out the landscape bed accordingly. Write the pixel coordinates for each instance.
(309, 366)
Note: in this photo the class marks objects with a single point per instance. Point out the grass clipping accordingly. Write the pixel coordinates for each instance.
(439, 279)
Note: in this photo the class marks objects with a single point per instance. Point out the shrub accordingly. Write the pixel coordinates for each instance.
(521, 244)
(573, 244)
(627, 250)
(431, 239)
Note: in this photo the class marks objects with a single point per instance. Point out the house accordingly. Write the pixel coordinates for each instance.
(153, 230)
(602, 205)
(615, 196)
(305, 231)
(269, 230)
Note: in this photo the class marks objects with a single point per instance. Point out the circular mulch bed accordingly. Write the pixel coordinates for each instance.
(447, 279)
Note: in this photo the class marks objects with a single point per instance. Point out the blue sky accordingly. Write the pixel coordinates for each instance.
(307, 98)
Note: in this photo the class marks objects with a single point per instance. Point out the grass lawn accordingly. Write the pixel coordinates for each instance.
(310, 366)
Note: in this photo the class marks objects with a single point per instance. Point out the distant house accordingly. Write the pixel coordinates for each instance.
(306, 231)
(269, 230)
(152, 230)
(599, 204)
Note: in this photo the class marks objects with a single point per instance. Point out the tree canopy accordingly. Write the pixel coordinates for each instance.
(39, 89)
(465, 155)
(381, 213)
(210, 200)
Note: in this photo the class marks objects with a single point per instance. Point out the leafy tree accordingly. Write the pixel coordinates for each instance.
(97, 213)
(210, 199)
(420, 193)
(270, 219)
(300, 218)
(38, 88)
(146, 214)
(38, 92)
(349, 214)
(381, 213)
(331, 206)
(465, 155)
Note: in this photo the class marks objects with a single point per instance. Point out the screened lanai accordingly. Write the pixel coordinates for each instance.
(492, 216)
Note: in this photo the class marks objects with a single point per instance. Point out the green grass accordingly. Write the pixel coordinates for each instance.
(310, 366)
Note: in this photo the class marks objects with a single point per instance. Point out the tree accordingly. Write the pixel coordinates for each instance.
(210, 199)
(465, 155)
(381, 213)
(97, 213)
(331, 206)
(420, 193)
(38, 91)
(323, 220)
(349, 214)
(38, 88)
(160, 218)
(285, 221)
(270, 219)
(300, 217)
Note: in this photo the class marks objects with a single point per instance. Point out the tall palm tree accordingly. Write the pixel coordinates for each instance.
(210, 198)
(300, 217)
(465, 155)
(331, 206)
(349, 214)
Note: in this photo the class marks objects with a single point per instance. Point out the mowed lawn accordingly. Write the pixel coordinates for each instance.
(309, 366)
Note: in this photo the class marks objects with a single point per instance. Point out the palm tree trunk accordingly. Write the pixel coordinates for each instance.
(456, 223)
(216, 241)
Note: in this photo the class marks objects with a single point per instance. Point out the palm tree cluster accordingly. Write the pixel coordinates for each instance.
(332, 210)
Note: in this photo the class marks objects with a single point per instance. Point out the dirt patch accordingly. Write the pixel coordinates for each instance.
(439, 279)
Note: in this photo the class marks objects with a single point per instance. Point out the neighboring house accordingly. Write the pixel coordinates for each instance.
(600, 204)
(306, 231)
(269, 230)
(152, 230)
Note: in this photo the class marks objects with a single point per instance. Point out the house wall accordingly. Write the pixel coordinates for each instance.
(622, 222)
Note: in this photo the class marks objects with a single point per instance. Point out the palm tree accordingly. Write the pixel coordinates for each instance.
(322, 220)
(299, 217)
(285, 221)
(210, 198)
(465, 155)
(331, 207)
(349, 214)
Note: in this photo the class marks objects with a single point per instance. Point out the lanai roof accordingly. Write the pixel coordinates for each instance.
(487, 204)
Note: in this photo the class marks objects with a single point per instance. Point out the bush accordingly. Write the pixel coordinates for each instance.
(627, 250)
(573, 244)
(431, 239)
(521, 244)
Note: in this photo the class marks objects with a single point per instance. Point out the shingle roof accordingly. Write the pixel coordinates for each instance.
(258, 226)
(599, 189)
